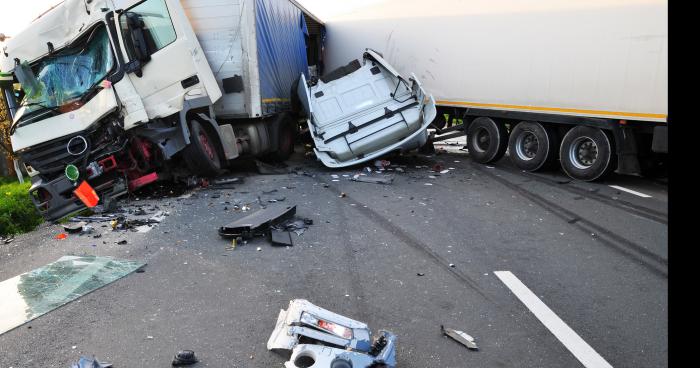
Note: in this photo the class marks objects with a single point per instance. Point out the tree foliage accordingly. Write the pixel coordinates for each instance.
(5, 122)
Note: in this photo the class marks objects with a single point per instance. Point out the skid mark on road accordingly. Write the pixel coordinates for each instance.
(567, 336)
(654, 262)
(413, 242)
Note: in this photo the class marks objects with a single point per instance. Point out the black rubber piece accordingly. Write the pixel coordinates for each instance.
(195, 154)
(547, 146)
(184, 357)
(487, 140)
(603, 164)
(340, 363)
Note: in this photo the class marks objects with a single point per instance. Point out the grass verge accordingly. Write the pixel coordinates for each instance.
(17, 212)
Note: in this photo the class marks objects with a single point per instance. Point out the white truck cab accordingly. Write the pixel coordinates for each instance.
(121, 91)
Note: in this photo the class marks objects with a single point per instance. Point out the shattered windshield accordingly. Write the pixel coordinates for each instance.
(69, 74)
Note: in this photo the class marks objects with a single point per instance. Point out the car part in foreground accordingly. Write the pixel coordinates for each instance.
(337, 341)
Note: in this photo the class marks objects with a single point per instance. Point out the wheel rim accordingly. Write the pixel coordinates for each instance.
(526, 146)
(481, 140)
(206, 146)
(583, 152)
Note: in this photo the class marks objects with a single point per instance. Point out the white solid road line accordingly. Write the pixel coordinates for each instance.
(571, 340)
(630, 191)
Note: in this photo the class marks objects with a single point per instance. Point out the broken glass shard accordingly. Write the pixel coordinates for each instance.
(37, 292)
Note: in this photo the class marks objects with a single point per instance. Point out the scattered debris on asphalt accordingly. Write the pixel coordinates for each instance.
(74, 228)
(227, 181)
(258, 223)
(86, 362)
(373, 179)
(460, 337)
(267, 169)
(184, 357)
(281, 238)
(61, 236)
(382, 164)
(333, 340)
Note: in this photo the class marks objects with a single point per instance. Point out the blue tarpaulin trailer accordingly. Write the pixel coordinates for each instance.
(257, 50)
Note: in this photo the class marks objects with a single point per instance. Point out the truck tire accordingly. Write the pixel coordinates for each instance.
(586, 153)
(202, 154)
(487, 140)
(285, 140)
(532, 146)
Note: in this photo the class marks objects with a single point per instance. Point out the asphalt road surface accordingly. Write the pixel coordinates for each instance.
(595, 256)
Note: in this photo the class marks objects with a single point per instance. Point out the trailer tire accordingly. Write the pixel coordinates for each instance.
(532, 146)
(202, 154)
(586, 153)
(285, 140)
(487, 140)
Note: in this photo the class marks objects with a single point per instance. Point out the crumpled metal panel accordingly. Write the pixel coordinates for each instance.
(355, 351)
(287, 331)
(366, 113)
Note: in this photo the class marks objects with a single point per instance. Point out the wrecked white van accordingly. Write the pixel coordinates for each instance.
(358, 112)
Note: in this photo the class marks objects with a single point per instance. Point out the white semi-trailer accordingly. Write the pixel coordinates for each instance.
(580, 82)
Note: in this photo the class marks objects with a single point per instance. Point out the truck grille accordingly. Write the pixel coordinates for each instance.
(51, 158)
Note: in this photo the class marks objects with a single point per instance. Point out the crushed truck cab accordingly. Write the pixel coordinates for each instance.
(360, 112)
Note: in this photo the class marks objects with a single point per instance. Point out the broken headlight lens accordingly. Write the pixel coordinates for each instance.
(331, 327)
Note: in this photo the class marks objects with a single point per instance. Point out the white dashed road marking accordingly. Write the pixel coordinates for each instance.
(568, 337)
(630, 191)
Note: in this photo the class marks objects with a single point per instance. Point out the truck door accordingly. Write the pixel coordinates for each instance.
(165, 60)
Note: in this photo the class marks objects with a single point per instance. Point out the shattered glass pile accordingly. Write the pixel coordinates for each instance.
(32, 294)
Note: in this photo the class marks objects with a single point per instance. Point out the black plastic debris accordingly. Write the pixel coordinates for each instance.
(295, 225)
(281, 238)
(87, 362)
(460, 336)
(74, 228)
(184, 357)
(258, 223)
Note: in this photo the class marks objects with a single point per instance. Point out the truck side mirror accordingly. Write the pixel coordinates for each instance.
(140, 52)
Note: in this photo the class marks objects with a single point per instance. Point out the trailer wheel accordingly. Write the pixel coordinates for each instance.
(202, 154)
(285, 140)
(586, 153)
(487, 140)
(532, 146)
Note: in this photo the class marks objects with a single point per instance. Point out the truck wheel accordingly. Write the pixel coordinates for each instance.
(285, 141)
(202, 154)
(532, 146)
(586, 153)
(487, 140)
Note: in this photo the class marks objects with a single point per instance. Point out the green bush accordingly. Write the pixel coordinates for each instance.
(17, 212)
